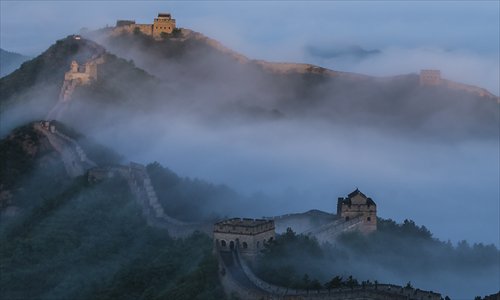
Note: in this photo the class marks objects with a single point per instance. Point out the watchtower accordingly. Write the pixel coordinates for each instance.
(357, 205)
(163, 23)
(82, 73)
(249, 235)
(430, 77)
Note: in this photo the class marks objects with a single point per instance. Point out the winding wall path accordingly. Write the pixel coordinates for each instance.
(76, 163)
(237, 277)
(74, 158)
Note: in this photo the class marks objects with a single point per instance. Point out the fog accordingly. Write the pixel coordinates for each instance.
(426, 168)
(277, 31)
(396, 254)
(291, 143)
(450, 188)
(458, 65)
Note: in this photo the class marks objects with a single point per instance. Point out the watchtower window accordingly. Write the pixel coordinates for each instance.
(347, 218)
(245, 245)
(369, 219)
(223, 243)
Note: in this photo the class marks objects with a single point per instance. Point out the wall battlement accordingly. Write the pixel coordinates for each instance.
(357, 205)
(433, 78)
(84, 74)
(162, 24)
(430, 77)
(250, 234)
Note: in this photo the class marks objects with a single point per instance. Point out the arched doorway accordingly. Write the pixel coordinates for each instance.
(231, 245)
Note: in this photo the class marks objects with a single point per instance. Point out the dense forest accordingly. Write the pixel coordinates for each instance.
(396, 253)
(91, 242)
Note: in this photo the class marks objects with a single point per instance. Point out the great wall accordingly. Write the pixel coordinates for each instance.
(78, 75)
(238, 278)
(354, 213)
(235, 274)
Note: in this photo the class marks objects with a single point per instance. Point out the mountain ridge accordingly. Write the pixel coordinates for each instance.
(10, 61)
(196, 77)
(291, 67)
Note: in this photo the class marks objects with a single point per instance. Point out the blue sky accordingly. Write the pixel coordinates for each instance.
(30, 26)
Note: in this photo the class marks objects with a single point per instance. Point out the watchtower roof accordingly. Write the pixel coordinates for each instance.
(355, 193)
(245, 222)
(244, 226)
(164, 15)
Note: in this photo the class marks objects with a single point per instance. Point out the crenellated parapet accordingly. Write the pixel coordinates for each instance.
(433, 78)
(250, 234)
(162, 24)
(358, 206)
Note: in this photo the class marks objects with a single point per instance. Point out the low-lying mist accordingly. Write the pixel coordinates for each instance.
(451, 187)
(293, 143)
(478, 69)
(397, 253)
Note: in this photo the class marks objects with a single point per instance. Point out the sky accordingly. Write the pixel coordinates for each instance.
(459, 37)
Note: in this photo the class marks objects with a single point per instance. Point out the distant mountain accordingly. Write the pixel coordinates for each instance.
(9, 61)
(193, 75)
(203, 69)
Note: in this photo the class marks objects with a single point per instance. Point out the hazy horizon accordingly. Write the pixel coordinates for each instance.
(460, 38)
(314, 162)
(220, 138)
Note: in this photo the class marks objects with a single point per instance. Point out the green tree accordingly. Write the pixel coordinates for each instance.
(334, 283)
(316, 285)
(351, 282)
(307, 282)
(408, 285)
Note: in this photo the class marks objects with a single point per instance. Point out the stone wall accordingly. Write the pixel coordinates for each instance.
(372, 291)
(430, 77)
(329, 232)
(163, 24)
(433, 78)
(254, 243)
(301, 222)
(469, 88)
(72, 155)
(146, 29)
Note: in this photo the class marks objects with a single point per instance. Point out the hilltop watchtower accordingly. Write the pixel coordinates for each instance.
(82, 73)
(357, 205)
(430, 77)
(163, 24)
(249, 235)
